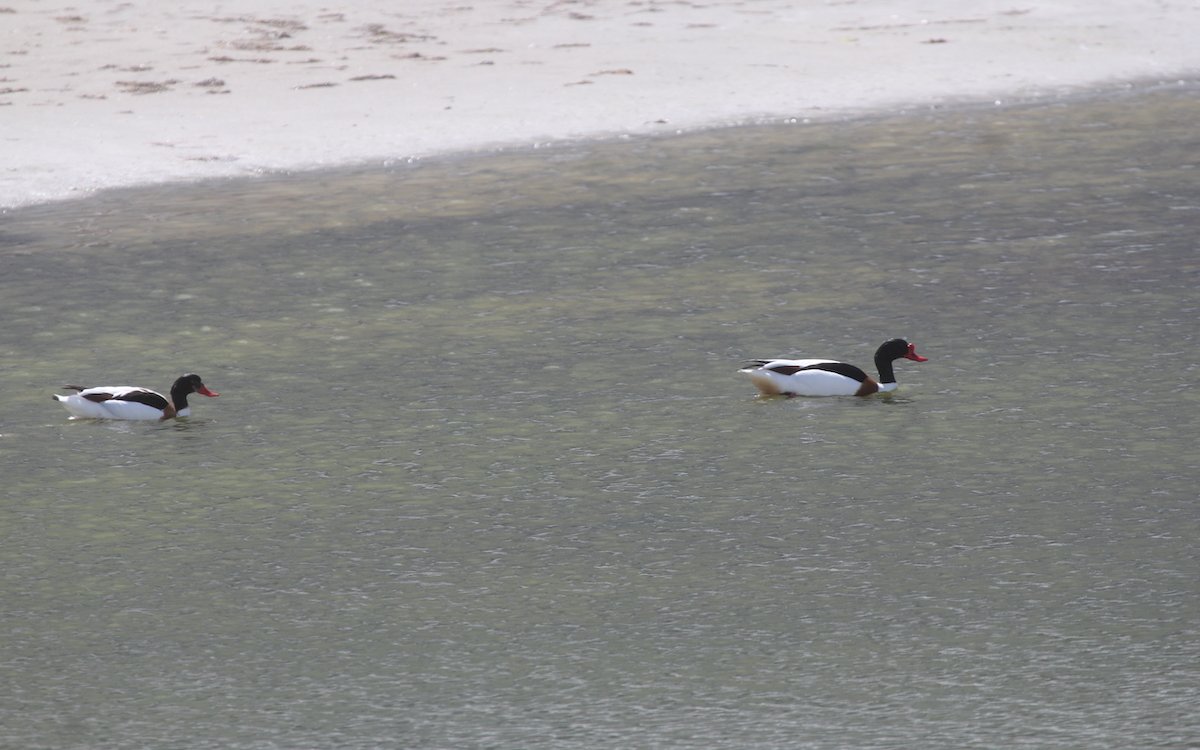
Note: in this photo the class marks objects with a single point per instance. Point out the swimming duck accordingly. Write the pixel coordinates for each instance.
(826, 377)
(125, 402)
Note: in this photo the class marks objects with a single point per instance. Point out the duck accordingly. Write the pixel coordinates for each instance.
(133, 402)
(827, 377)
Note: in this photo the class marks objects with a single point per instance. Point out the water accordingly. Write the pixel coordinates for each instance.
(483, 475)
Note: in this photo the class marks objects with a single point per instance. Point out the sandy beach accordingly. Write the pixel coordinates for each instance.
(118, 93)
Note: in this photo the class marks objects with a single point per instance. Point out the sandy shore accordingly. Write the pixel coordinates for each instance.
(115, 93)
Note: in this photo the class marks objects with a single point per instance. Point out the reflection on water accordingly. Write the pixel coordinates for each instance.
(483, 474)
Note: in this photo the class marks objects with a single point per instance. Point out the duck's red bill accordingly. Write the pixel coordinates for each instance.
(205, 392)
(912, 354)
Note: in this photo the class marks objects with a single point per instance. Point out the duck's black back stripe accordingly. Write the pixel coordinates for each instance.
(149, 398)
(841, 368)
(786, 369)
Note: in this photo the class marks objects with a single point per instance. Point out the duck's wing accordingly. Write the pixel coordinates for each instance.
(793, 366)
(144, 396)
(785, 366)
(841, 368)
(124, 393)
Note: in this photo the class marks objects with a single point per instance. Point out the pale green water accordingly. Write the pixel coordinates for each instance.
(483, 476)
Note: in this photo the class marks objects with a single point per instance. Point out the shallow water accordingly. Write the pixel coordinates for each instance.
(483, 473)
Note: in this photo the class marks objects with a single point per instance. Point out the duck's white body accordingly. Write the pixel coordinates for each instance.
(774, 377)
(828, 377)
(116, 406)
(132, 402)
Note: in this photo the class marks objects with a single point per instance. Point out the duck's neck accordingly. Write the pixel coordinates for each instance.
(179, 394)
(887, 375)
